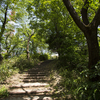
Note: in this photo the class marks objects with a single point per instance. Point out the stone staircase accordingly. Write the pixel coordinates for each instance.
(33, 85)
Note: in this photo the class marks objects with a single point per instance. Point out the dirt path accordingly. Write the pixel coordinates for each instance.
(32, 84)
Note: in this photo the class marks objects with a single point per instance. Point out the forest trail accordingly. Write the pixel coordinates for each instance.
(33, 84)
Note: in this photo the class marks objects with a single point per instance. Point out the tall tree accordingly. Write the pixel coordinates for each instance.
(50, 23)
(27, 50)
(89, 29)
(11, 11)
(3, 10)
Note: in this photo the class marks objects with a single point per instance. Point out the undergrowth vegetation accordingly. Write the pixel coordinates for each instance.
(43, 57)
(11, 66)
(15, 64)
(3, 91)
(75, 82)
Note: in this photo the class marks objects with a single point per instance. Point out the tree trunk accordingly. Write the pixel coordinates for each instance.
(28, 55)
(93, 47)
(28, 44)
(89, 30)
(1, 58)
(93, 50)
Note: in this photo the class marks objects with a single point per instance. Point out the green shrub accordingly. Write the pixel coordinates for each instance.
(87, 89)
(6, 69)
(9, 66)
(35, 56)
(3, 92)
(69, 82)
(43, 57)
(49, 57)
(23, 64)
(76, 82)
(4, 72)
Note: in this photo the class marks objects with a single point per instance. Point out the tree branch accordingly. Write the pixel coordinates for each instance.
(4, 23)
(12, 48)
(74, 14)
(84, 12)
(7, 48)
(96, 20)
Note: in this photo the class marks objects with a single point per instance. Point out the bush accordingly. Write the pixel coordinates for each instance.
(35, 56)
(23, 64)
(3, 92)
(87, 89)
(76, 82)
(69, 82)
(43, 57)
(6, 69)
(9, 66)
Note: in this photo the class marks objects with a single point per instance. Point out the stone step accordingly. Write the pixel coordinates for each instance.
(39, 98)
(27, 74)
(22, 91)
(32, 88)
(32, 84)
(35, 73)
(32, 77)
(39, 70)
(36, 84)
(29, 97)
(34, 80)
